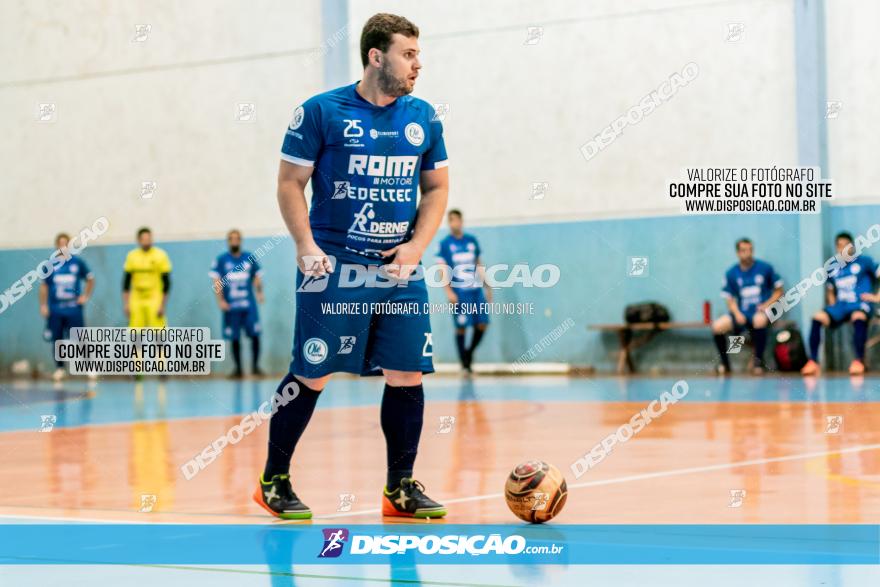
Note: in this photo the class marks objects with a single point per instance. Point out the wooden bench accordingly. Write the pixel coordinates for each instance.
(632, 336)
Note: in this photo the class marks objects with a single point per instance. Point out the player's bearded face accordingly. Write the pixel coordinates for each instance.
(399, 67)
(234, 243)
(392, 84)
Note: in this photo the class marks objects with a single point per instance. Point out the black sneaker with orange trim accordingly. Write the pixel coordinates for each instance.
(410, 501)
(277, 497)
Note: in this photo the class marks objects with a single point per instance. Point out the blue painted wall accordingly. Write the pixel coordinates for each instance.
(687, 258)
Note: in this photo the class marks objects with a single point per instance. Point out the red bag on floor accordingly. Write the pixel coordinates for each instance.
(789, 353)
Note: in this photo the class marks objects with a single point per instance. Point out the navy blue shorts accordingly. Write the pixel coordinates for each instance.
(739, 328)
(466, 315)
(360, 329)
(236, 320)
(841, 311)
(58, 324)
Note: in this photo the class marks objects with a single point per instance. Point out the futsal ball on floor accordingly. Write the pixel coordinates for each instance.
(535, 491)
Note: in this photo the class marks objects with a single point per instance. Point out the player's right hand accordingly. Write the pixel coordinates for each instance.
(126, 310)
(740, 318)
(452, 297)
(224, 305)
(312, 261)
(44, 310)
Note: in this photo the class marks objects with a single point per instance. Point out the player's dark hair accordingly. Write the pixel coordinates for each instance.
(144, 230)
(741, 241)
(233, 231)
(378, 31)
(60, 236)
(845, 235)
(454, 212)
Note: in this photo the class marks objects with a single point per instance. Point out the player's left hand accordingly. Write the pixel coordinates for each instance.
(406, 259)
(260, 297)
(161, 311)
(869, 297)
(82, 299)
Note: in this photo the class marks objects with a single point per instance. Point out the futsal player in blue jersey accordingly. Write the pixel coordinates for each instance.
(749, 287)
(850, 297)
(238, 286)
(368, 149)
(461, 253)
(62, 298)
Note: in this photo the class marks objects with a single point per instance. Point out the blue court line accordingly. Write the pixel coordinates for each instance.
(467, 544)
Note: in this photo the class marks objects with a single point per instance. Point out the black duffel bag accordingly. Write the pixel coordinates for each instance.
(645, 312)
(789, 352)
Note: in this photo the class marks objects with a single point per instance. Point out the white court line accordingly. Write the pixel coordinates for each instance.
(614, 481)
(644, 476)
(76, 520)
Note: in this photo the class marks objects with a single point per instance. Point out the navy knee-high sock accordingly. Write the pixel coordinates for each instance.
(462, 348)
(255, 352)
(403, 410)
(860, 337)
(287, 425)
(759, 340)
(721, 345)
(475, 339)
(236, 353)
(815, 339)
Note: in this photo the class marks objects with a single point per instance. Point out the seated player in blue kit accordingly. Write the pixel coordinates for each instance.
(851, 298)
(749, 288)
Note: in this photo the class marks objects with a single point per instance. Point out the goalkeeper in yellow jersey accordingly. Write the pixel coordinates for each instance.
(147, 283)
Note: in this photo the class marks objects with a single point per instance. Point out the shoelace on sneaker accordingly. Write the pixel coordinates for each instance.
(415, 487)
(282, 482)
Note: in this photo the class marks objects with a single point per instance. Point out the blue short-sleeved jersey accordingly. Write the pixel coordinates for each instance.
(461, 254)
(236, 273)
(65, 284)
(752, 286)
(367, 161)
(854, 279)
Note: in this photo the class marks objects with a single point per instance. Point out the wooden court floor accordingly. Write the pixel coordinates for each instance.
(734, 451)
